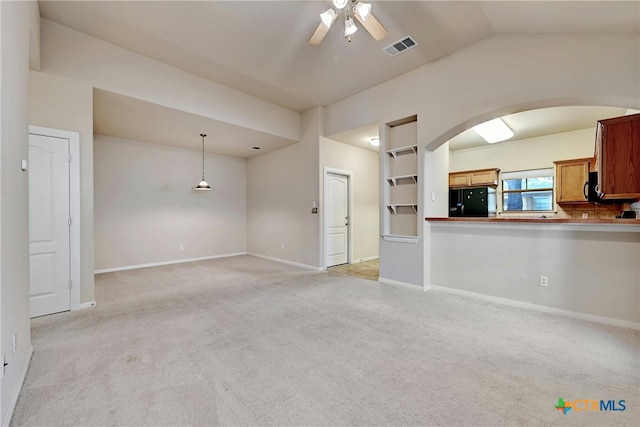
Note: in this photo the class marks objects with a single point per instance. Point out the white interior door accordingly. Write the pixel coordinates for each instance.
(336, 189)
(49, 213)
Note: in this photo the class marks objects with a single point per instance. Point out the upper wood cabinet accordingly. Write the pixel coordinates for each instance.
(571, 178)
(618, 157)
(475, 178)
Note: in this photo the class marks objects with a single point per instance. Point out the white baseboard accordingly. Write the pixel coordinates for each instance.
(284, 261)
(370, 258)
(158, 264)
(398, 283)
(540, 308)
(14, 399)
(84, 305)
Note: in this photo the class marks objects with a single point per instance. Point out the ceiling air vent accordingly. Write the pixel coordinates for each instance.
(400, 46)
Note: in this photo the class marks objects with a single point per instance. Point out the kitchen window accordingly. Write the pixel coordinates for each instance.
(530, 190)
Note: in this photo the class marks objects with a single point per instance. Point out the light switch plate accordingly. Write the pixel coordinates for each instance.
(24, 164)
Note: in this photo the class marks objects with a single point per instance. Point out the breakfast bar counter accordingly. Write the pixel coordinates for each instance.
(586, 266)
(608, 224)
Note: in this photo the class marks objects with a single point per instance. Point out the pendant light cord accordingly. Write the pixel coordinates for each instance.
(202, 135)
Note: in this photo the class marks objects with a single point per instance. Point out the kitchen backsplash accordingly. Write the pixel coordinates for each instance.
(594, 211)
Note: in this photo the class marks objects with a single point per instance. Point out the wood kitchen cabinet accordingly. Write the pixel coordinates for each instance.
(571, 177)
(474, 178)
(618, 158)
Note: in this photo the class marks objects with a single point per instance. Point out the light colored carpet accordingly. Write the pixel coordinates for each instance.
(245, 341)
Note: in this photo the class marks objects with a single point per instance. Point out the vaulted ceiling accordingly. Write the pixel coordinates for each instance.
(260, 47)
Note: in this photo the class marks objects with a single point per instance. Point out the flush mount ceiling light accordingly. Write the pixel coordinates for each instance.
(375, 141)
(494, 131)
(203, 184)
(351, 9)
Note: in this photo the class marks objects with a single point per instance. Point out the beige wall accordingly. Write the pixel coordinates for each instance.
(365, 198)
(60, 103)
(489, 79)
(523, 154)
(537, 153)
(74, 55)
(14, 198)
(145, 207)
(281, 187)
(591, 272)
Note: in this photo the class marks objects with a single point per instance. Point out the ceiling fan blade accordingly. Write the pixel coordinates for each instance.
(373, 26)
(318, 34)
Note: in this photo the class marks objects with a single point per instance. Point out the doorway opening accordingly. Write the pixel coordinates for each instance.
(369, 270)
(337, 217)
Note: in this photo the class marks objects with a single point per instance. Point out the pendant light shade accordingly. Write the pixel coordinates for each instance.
(203, 184)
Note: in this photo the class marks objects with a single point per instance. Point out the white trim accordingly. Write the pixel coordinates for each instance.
(14, 399)
(399, 283)
(540, 308)
(75, 244)
(158, 264)
(529, 173)
(84, 305)
(284, 261)
(349, 175)
(400, 239)
(369, 258)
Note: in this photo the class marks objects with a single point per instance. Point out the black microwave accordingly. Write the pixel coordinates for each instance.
(591, 191)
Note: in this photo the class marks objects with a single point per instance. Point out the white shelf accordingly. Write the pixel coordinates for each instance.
(393, 208)
(393, 180)
(395, 152)
(400, 239)
(401, 180)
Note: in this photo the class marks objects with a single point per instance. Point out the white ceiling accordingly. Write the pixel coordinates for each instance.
(260, 47)
(541, 122)
(130, 118)
(360, 137)
(526, 124)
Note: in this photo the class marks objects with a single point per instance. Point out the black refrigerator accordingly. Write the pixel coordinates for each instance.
(472, 202)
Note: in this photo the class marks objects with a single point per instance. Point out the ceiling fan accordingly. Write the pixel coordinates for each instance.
(352, 9)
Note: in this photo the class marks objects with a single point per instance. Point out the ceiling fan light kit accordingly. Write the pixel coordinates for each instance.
(349, 26)
(340, 4)
(328, 17)
(363, 9)
(352, 8)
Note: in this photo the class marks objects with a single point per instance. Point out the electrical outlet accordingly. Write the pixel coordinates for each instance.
(181, 247)
(282, 247)
(544, 281)
(14, 343)
(585, 215)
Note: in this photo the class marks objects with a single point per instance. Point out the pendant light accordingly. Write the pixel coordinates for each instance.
(203, 184)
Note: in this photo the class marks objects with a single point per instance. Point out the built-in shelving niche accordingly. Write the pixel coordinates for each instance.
(401, 175)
